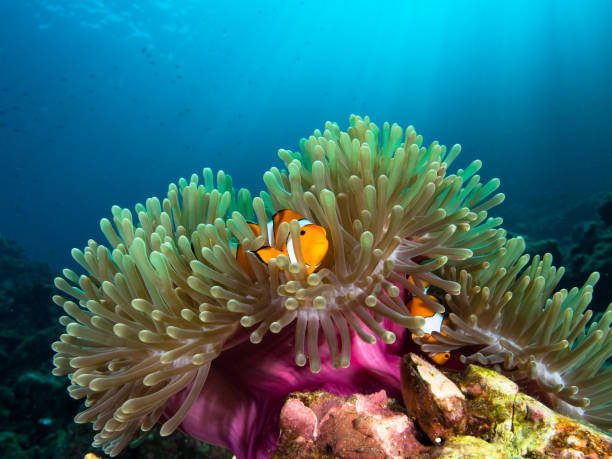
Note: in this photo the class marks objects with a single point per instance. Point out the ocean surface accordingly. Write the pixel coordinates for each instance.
(107, 102)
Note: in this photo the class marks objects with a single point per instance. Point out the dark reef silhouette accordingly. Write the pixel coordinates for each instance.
(36, 414)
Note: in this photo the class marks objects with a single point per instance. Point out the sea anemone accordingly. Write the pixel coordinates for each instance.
(390, 212)
(168, 296)
(137, 336)
(508, 309)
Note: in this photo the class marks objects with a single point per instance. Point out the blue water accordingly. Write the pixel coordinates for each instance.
(106, 102)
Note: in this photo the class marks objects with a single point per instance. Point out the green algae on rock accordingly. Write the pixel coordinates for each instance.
(498, 413)
(466, 446)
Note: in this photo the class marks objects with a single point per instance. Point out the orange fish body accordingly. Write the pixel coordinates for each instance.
(433, 322)
(313, 243)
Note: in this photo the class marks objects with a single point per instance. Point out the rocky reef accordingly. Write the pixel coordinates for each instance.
(473, 413)
(577, 234)
(321, 424)
(592, 251)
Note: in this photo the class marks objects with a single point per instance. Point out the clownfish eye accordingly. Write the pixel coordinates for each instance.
(302, 232)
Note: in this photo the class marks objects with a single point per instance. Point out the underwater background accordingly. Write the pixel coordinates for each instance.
(107, 102)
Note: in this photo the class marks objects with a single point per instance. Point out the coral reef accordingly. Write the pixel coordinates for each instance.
(474, 413)
(33, 402)
(592, 251)
(157, 312)
(577, 234)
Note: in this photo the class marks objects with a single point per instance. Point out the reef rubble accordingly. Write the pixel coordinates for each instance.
(446, 414)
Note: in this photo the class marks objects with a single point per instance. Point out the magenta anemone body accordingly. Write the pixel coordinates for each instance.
(248, 383)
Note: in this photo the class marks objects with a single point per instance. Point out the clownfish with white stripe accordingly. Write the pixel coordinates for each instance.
(313, 243)
(433, 323)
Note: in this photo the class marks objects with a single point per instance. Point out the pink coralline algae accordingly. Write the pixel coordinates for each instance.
(357, 427)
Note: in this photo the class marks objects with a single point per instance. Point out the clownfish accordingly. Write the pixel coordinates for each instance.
(313, 243)
(433, 323)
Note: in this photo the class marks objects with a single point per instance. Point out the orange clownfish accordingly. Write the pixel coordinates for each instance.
(433, 322)
(313, 243)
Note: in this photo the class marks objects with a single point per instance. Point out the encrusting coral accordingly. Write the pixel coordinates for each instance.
(167, 297)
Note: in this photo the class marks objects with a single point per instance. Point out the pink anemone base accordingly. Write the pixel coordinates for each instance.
(248, 383)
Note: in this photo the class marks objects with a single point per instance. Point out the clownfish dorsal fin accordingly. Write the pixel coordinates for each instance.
(255, 228)
(284, 215)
